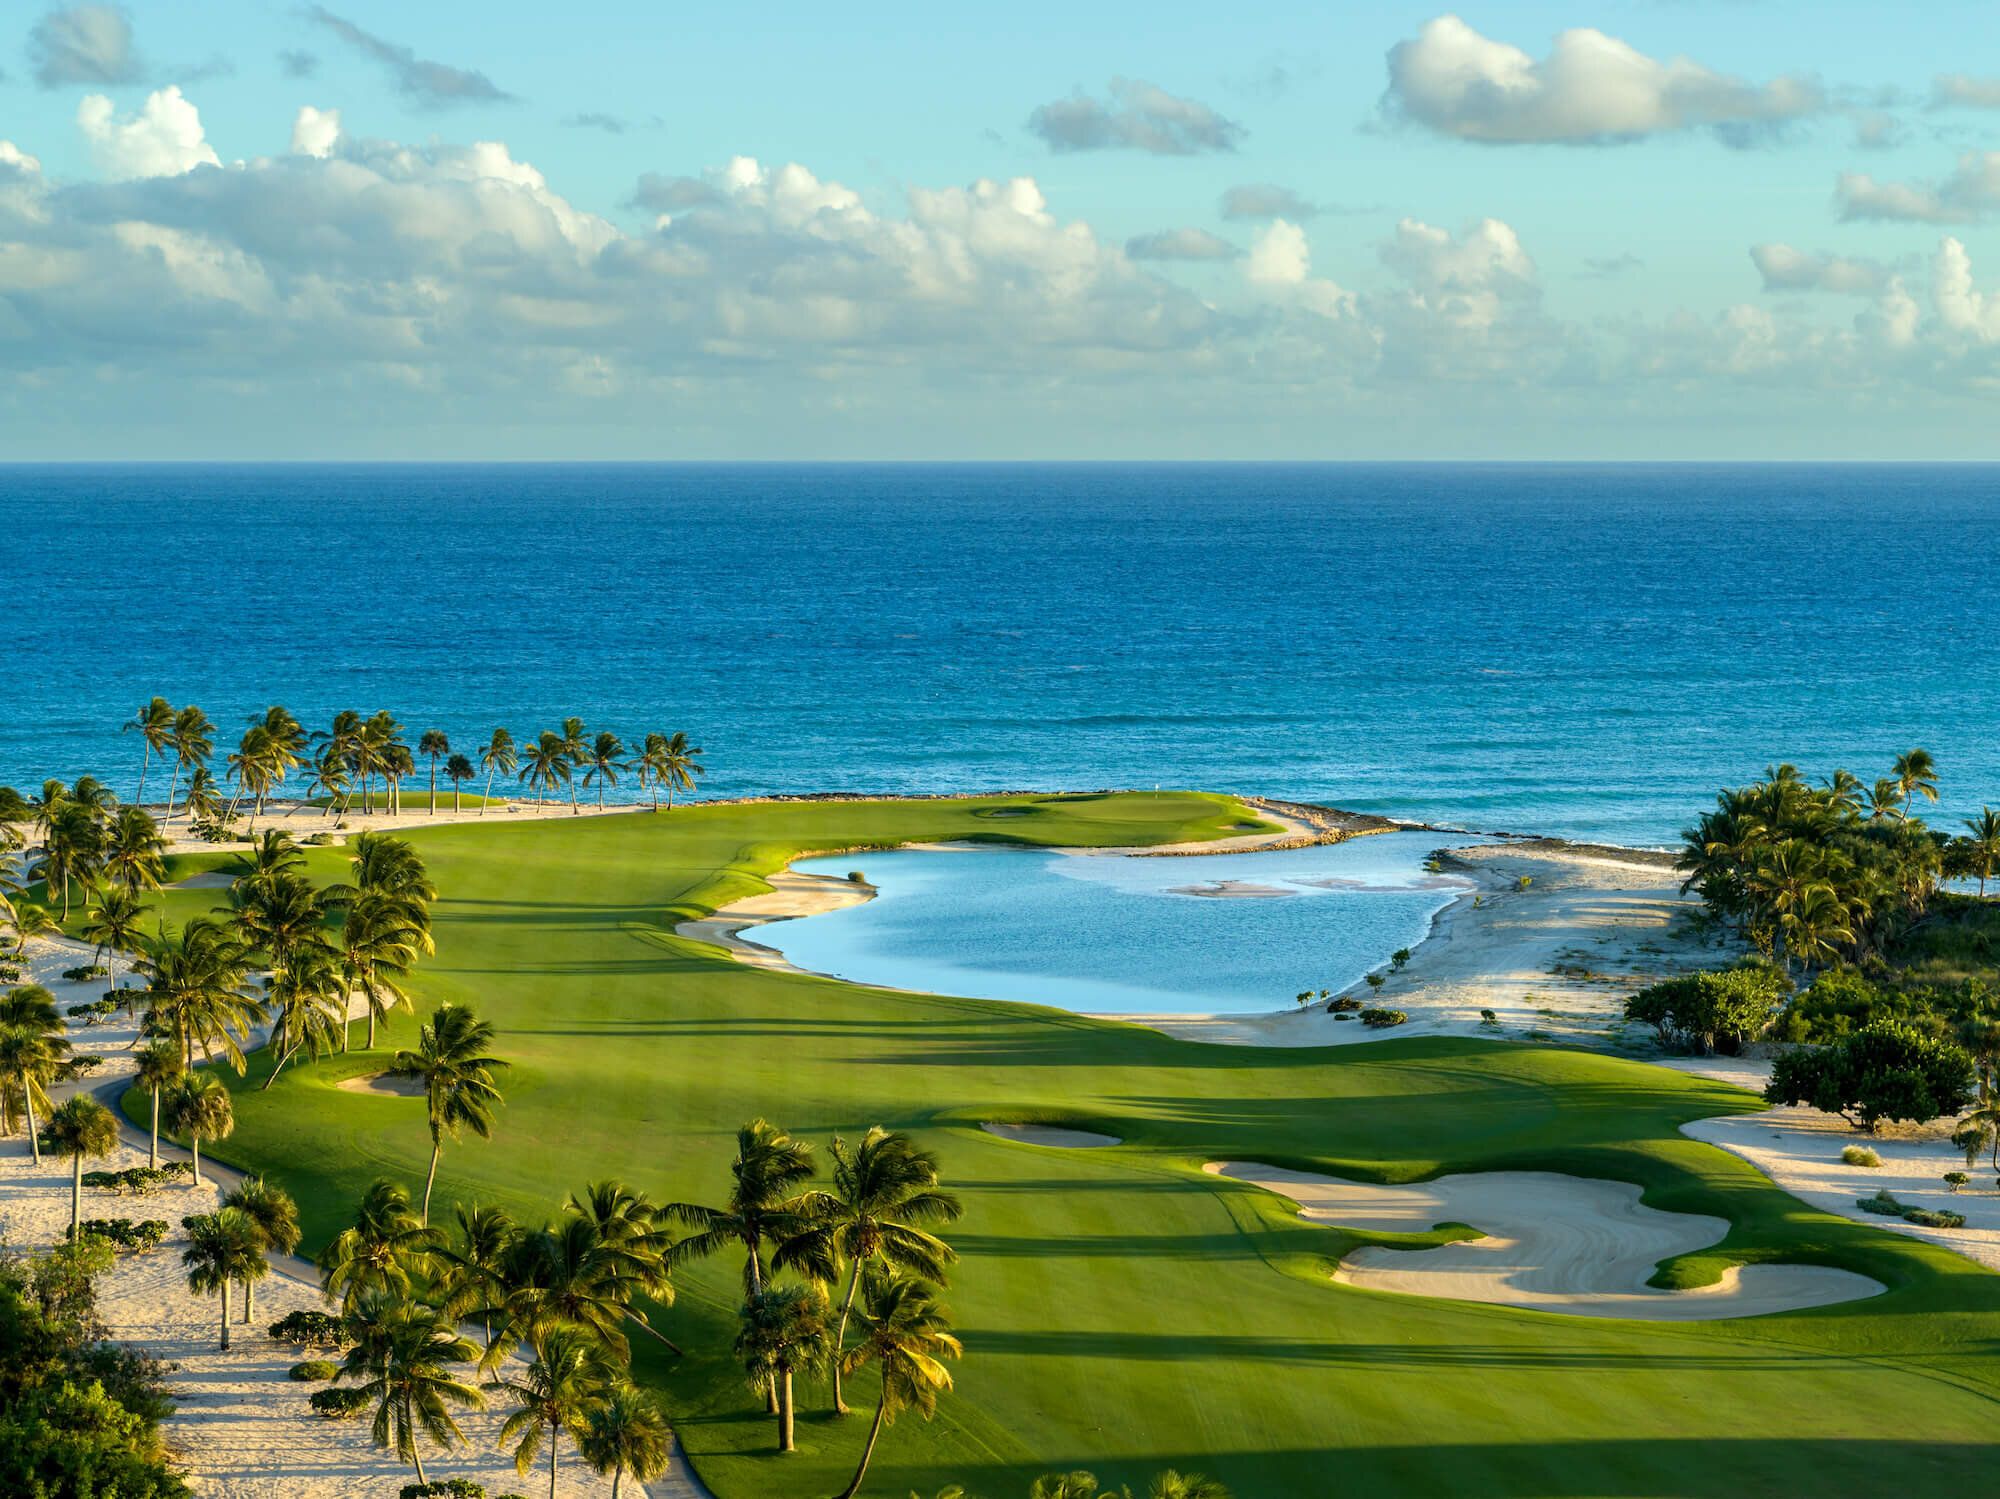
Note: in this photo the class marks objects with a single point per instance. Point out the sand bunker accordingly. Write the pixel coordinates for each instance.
(208, 879)
(383, 1082)
(1553, 1243)
(1049, 1134)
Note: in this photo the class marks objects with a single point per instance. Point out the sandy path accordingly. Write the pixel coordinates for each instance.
(1610, 923)
(1553, 1243)
(1049, 1134)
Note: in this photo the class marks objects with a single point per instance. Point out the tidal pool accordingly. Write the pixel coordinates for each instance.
(1115, 934)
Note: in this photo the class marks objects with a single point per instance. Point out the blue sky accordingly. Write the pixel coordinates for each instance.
(1593, 230)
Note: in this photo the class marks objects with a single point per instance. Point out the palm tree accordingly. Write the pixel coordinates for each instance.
(223, 1247)
(884, 1191)
(273, 853)
(158, 1070)
(81, 1127)
(546, 765)
(783, 1329)
(906, 1334)
(329, 777)
(307, 998)
(198, 1106)
(377, 946)
(633, 1230)
(251, 765)
(132, 847)
(458, 770)
(434, 746)
(155, 726)
(1885, 799)
(29, 1059)
(568, 1380)
(192, 741)
(382, 1253)
(204, 802)
(459, 1089)
(195, 990)
(765, 1206)
(605, 758)
(271, 1208)
(281, 913)
(112, 927)
(397, 766)
(566, 1274)
(472, 1261)
(340, 745)
(403, 1356)
(386, 865)
(628, 1433)
(496, 758)
(679, 764)
(72, 850)
(1172, 1485)
(576, 750)
(1979, 1131)
(1916, 775)
(1984, 849)
(288, 745)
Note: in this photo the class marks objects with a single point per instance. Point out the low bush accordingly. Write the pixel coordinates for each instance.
(1381, 1019)
(1342, 1006)
(1956, 1179)
(447, 1488)
(94, 1013)
(1859, 1155)
(339, 1402)
(308, 1330)
(312, 1371)
(1709, 1012)
(1487, 1017)
(1881, 1203)
(123, 1233)
(1934, 1218)
(86, 973)
(321, 840)
(10, 973)
(138, 1180)
(857, 877)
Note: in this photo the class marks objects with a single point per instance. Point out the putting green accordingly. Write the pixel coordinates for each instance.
(1122, 1310)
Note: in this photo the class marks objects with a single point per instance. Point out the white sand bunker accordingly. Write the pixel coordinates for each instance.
(383, 1082)
(208, 879)
(1553, 1243)
(1049, 1134)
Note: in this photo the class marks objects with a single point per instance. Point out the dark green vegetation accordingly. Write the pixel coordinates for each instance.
(1121, 1311)
(77, 1415)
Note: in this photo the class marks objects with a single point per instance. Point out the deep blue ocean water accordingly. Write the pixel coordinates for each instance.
(1582, 650)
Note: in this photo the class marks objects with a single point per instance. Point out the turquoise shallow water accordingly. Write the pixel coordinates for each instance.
(1113, 934)
(1584, 650)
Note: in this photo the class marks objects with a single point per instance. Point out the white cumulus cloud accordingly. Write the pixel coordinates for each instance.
(164, 139)
(1970, 193)
(1785, 268)
(315, 131)
(1590, 88)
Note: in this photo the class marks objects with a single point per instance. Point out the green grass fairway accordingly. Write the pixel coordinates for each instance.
(1122, 1311)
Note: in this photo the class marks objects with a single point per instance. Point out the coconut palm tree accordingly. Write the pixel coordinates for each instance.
(906, 1334)
(1916, 775)
(679, 764)
(72, 850)
(378, 943)
(634, 1230)
(154, 724)
(384, 1252)
(280, 913)
(398, 765)
(546, 765)
(112, 927)
(458, 1077)
(204, 801)
(576, 750)
(340, 744)
(403, 1358)
(433, 745)
(1983, 852)
(782, 1330)
(496, 757)
(1885, 799)
(158, 1070)
(1172, 1485)
(195, 990)
(472, 1261)
(765, 1208)
(328, 777)
(29, 1060)
(198, 1106)
(566, 1274)
(132, 847)
(605, 757)
(273, 853)
(224, 1247)
(271, 1208)
(458, 770)
(568, 1380)
(381, 751)
(385, 865)
(192, 741)
(81, 1127)
(628, 1433)
(307, 999)
(885, 1190)
(252, 765)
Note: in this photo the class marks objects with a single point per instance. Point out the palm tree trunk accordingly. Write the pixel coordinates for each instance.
(437, 1149)
(787, 1441)
(34, 1139)
(434, 786)
(840, 1336)
(225, 1315)
(867, 1452)
(145, 762)
(416, 1450)
(648, 1329)
(249, 1301)
(286, 1057)
(76, 1197)
(554, 1432)
(371, 1028)
(194, 1141)
(153, 1155)
(617, 1477)
(487, 795)
(172, 787)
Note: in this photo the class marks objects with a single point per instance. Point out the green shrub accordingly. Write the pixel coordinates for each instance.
(1708, 1012)
(308, 1330)
(338, 1402)
(1859, 1155)
(446, 1488)
(123, 1233)
(1487, 1017)
(1376, 981)
(1881, 1203)
(857, 877)
(320, 840)
(312, 1371)
(1398, 958)
(1934, 1218)
(138, 1180)
(86, 973)
(1880, 1072)
(1956, 1179)
(1382, 1019)
(1342, 1006)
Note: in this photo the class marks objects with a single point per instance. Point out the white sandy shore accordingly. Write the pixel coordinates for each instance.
(1554, 1243)
(242, 1429)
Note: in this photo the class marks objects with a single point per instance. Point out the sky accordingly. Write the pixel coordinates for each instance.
(1600, 230)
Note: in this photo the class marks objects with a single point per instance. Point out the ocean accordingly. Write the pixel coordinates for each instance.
(1582, 650)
